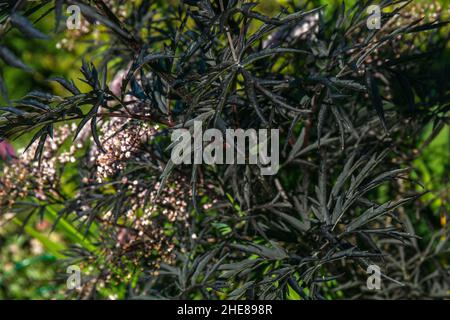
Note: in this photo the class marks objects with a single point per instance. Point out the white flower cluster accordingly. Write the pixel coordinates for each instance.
(24, 176)
(121, 139)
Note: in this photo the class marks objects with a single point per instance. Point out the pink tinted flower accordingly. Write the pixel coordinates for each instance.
(6, 150)
(116, 83)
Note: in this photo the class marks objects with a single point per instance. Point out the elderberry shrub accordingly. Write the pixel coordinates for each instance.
(355, 107)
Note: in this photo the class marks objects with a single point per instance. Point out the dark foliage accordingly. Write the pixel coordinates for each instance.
(350, 104)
